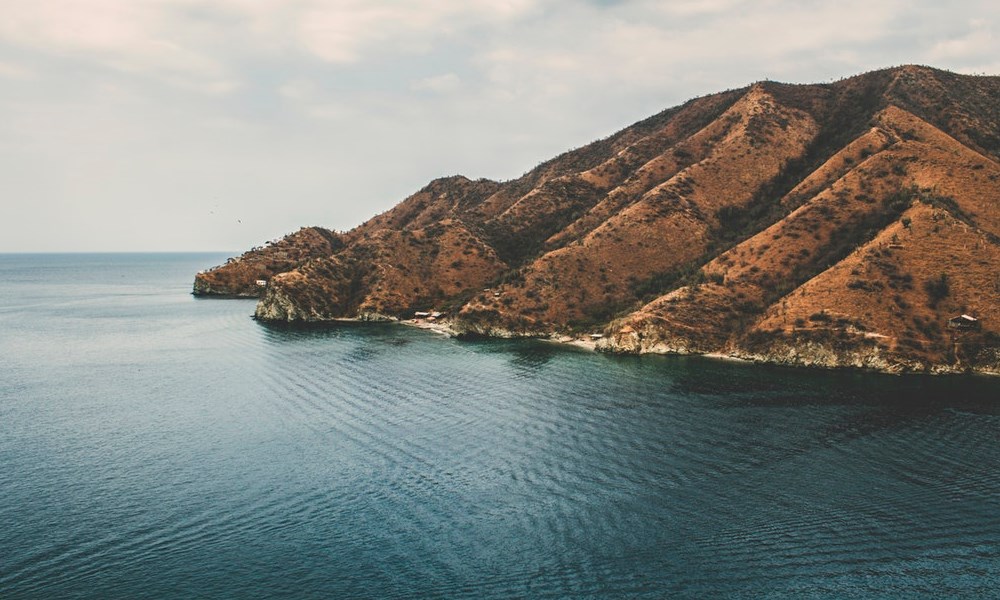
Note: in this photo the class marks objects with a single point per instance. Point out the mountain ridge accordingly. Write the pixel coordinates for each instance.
(707, 228)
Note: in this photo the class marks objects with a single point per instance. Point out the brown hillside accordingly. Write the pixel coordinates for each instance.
(668, 226)
(890, 301)
(713, 316)
(239, 276)
(805, 224)
(386, 274)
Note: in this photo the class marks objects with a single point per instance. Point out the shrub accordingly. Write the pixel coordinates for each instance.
(937, 289)
(748, 307)
(731, 217)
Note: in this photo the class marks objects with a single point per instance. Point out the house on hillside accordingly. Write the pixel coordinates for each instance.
(964, 322)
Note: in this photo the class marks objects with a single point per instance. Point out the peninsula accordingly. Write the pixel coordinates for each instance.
(848, 224)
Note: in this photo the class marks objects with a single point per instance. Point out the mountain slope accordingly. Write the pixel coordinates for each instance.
(840, 224)
(239, 276)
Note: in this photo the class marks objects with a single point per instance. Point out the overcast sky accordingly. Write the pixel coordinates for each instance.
(161, 125)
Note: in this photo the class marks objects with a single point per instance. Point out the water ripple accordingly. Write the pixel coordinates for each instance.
(158, 446)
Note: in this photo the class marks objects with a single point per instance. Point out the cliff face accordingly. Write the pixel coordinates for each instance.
(841, 224)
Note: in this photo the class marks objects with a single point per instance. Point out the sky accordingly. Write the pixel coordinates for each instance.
(216, 125)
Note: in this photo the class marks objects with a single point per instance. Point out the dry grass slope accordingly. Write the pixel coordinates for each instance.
(839, 224)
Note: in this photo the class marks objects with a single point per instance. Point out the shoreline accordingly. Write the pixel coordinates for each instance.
(445, 328)
(439, 327)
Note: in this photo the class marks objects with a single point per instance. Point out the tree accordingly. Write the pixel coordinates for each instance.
(937, 289)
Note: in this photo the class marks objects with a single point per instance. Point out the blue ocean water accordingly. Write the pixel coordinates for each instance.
(155, 445)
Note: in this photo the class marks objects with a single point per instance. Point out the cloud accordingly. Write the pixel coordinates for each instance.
(328, 111)
(13, 71)
(142, 38)
(441, 84)
(347, 30)
(976, 41)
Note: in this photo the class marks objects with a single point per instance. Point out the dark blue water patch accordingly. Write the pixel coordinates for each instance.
(155, 445)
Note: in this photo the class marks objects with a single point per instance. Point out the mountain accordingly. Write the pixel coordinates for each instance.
(239, 276)
(841, 224)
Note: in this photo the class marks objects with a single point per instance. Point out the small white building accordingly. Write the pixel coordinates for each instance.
(963, 322)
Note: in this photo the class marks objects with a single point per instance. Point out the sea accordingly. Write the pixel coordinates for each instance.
(158, 445)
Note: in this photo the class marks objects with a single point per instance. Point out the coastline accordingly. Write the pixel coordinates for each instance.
(440, 327)
(445, 328)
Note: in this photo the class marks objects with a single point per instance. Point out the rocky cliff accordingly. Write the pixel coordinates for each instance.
(841, 224)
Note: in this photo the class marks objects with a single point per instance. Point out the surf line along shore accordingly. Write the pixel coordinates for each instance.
(444, 327)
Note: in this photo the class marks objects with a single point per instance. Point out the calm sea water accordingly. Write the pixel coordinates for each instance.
(154, 445)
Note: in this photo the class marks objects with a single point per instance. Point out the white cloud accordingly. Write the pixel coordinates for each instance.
(327, 111)
(299, 89)
(346, 30)
(13, 71)
(975, 42)
(440, 84)
(140, 37)
(330, 111)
